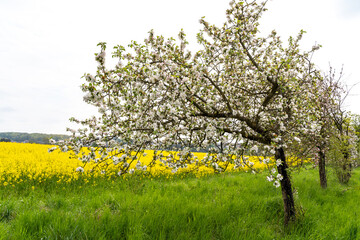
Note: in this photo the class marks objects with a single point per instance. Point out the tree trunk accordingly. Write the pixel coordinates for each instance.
(322, 171)
(347, 167)
(286, 189)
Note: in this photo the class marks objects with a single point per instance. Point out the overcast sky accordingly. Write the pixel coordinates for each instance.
(47, 45)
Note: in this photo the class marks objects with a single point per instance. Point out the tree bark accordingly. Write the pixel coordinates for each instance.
(347, 167)
(286, 188)
(322, 170)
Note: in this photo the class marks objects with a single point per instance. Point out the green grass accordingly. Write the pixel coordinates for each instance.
(230, 206)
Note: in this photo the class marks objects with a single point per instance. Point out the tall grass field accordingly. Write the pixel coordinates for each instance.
(234, 205)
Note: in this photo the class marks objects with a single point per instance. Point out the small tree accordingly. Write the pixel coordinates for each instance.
(356, 126)
(318, 141)
(5, 140)
(343, 141)
(343, 152)
(320, 138)
(238, 86)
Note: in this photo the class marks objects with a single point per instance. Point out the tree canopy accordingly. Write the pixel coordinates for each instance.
(240, 87)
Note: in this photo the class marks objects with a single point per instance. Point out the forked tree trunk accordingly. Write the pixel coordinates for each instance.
(322, 170)
(286, 189)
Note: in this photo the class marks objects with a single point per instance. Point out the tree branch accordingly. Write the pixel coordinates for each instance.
(220, 91)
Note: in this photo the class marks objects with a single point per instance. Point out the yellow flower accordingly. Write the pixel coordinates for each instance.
(23, 163)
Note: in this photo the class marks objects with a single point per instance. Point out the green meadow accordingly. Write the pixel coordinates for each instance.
(225, 206)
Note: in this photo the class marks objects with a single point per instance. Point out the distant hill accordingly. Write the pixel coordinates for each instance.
(30, 137)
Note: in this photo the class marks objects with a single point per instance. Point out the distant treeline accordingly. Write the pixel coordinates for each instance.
(29, 137)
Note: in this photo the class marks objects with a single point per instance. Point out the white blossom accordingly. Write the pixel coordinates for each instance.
(52, 149)
(270, 178)
(138, 165)
(254, 149)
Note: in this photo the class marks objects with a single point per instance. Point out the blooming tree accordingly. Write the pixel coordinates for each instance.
(238, 87)
(331, 91)
(316, 143)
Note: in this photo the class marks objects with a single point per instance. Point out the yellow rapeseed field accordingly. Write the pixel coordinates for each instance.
(20, 162)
